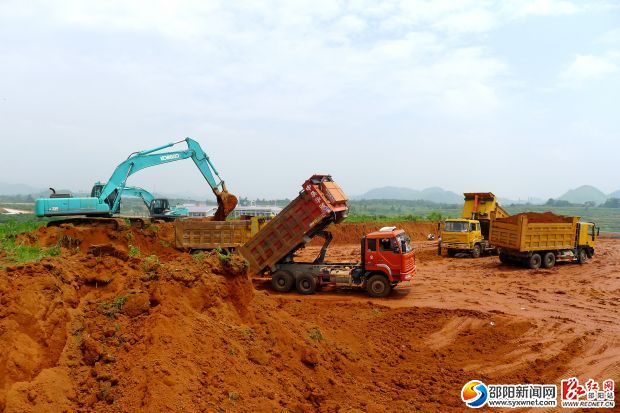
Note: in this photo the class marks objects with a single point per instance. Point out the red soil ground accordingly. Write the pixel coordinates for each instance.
(96, 329)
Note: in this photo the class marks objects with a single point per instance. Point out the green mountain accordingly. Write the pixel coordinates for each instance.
(584, 194)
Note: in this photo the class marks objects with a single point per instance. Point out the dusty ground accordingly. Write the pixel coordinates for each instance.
(96, 329)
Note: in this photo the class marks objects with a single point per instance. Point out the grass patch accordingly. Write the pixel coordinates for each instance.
(112, 308)
(246, 332)
(316, 334)
(16, 251)
(199, 257)
(133, 251)
(150, 264)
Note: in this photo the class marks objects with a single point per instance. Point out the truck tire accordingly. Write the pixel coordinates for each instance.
(582, 256)
(548, 260)
(451, 252)
(306, 284)
(475, 253)
(534, 261)
(503, 257)
(282, 281)
(378, 286)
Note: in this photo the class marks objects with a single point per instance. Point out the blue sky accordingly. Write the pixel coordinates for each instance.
(515, 97)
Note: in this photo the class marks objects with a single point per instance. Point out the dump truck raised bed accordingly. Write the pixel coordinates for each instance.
(197, 234)
(542, 239)
(470, 233)
(386, 256)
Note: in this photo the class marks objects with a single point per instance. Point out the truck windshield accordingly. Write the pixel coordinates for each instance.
(455, 226)
(405, 242)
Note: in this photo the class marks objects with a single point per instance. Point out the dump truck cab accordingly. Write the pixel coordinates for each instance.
(470, 232)
(463, 235)
(587, 234)
(389, 252)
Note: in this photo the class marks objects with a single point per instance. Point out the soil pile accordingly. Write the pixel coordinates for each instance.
(537, 218)
(352, 233)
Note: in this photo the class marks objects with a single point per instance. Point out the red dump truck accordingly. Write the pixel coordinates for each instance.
(386, 256)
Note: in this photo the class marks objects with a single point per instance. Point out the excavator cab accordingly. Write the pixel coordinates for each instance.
(159, 206)
(98, 188)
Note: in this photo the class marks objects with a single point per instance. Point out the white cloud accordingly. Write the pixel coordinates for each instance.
(352, 23)
(585, 67)
(523, 8)
(611, 37)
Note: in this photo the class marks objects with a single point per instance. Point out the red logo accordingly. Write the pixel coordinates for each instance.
(572, 390)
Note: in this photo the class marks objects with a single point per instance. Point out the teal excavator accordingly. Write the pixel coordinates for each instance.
(105, 198)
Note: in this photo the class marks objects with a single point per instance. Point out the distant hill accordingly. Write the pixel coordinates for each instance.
(615, 194)
(17, 189)
(433, 194)
(530, 201)
(584, 194)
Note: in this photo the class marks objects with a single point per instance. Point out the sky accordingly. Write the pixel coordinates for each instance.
(520, 98)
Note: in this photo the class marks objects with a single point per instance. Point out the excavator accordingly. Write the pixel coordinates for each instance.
(105, 198)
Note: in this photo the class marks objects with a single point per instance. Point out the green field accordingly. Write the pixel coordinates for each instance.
(387, 210)
(607, 218)
(12, 251)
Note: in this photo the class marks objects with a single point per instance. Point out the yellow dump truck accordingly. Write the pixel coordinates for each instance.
(542, 239)
(194, 234)
(470, 233)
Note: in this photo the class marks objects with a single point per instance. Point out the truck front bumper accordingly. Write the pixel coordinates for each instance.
(455, 245)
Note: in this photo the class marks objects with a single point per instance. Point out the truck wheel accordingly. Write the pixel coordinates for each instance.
(378, 286)
(282, 281)
(451, 252)
(475, 253)
(503, 257)
(306, 284)
(534, 261)
(549, 260)
(582, 256)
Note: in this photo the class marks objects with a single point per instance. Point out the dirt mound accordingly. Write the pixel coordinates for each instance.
(352, 233)
(155, 239)
(537, 218)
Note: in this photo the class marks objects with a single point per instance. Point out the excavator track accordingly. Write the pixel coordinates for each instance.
(114, 223)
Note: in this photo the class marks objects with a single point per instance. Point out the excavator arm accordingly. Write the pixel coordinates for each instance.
(137, 192)
(153, 157)
(158, 207)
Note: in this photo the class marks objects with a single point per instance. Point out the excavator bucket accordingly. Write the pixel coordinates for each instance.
(226, 202)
